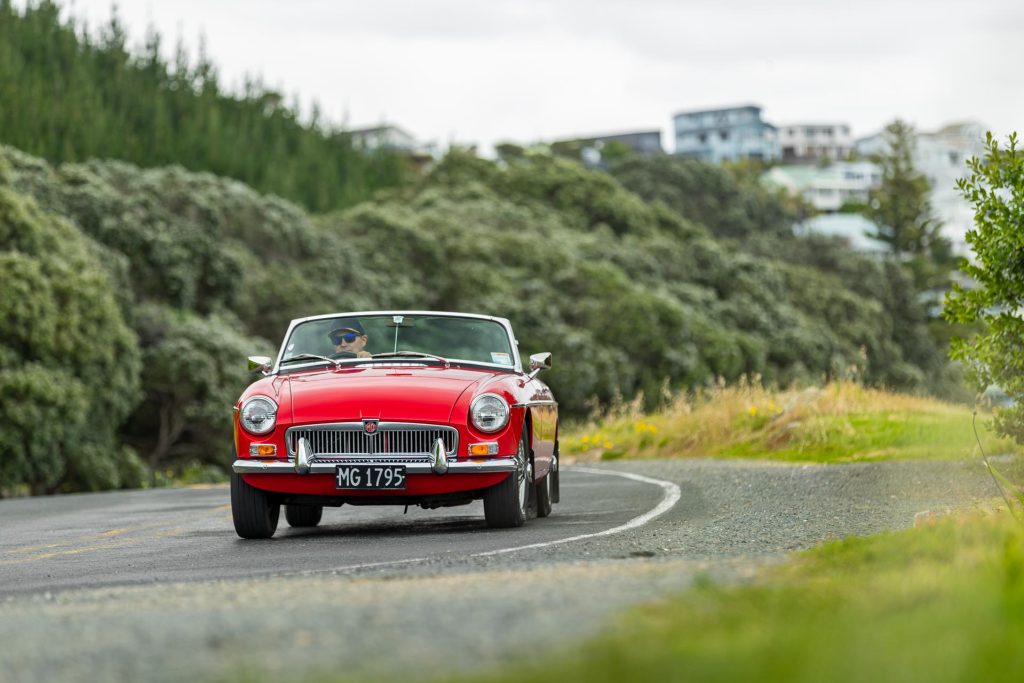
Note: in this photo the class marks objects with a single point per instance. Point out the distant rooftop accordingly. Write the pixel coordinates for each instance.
(850, 227)
(380, 128)
(715, 110)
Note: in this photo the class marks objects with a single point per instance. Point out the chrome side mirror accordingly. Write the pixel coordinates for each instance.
(261, 363)
(538, 362)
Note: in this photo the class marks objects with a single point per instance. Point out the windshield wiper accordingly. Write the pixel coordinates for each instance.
(313, 356)
(414, 354)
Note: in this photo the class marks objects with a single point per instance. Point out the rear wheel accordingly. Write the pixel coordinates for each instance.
(505, 505)
(254, 511)
(556, 494)
(303, 515)
(542, 494)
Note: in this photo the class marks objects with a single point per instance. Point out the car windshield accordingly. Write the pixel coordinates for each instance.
(362, 337)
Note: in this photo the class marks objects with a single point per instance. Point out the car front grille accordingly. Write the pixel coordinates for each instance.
(399, 442)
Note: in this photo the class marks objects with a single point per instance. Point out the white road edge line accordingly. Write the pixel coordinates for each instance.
(672, 494)
(671, 497)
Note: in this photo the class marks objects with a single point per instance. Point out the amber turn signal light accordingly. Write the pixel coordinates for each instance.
(479, 449)
(262, 450)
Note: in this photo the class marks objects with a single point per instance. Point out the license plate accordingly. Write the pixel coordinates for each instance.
(371, 476)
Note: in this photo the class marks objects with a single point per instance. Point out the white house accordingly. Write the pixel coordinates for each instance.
(809, 142)
(828, 188)
(942, 157)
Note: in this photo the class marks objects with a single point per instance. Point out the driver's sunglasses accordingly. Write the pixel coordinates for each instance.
(348, 338)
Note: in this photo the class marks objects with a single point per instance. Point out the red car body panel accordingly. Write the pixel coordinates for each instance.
(418, 484)
(427, 394)
(396, 394)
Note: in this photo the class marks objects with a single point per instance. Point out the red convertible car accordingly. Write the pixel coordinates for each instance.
(394, 407)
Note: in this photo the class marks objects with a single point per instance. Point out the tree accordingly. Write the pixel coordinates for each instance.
(193, 372)
(902, 212)
(995, 355)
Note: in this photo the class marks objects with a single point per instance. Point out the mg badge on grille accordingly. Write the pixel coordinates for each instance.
(370, 427)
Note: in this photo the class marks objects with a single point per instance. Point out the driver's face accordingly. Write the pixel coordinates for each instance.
(354, 346)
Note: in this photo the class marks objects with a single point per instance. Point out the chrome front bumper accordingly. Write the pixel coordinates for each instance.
(490, 466)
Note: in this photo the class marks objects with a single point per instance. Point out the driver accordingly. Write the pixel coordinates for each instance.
(349, 340)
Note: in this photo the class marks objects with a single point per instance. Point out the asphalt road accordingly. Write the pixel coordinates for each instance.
(143, 537)
(154, 585)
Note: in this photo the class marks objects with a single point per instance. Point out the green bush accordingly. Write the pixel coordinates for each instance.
(69, 364)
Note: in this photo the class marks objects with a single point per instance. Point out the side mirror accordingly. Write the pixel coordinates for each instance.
(538, 362)
(261, 363)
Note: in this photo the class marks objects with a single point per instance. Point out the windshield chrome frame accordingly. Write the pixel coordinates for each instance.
(517, 365)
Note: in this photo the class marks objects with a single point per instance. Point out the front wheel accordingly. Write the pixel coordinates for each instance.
(505, 505)
(254, 511)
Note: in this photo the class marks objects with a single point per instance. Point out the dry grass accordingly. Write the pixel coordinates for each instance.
(840, 422)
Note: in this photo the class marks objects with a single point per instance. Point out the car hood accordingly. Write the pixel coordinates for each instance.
(389, 394)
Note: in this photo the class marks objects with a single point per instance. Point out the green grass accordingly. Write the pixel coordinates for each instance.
(936, 604)
(841, 422)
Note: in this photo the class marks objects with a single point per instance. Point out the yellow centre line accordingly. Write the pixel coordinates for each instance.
(123, 543)
(102, 534)
(47, 551)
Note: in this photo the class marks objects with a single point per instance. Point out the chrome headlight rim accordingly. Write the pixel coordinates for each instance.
(492, 429)
(271, 422)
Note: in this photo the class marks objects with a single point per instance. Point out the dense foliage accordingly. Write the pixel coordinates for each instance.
(630, 296)
(68, 95)
(995, 188)
(69, 364)
(729, 204)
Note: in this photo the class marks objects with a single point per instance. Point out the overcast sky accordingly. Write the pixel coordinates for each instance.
(490, 70)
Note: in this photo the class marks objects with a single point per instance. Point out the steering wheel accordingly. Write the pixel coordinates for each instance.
(338, 355)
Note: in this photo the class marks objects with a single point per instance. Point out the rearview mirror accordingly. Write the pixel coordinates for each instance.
(261, 363)
(538, 362)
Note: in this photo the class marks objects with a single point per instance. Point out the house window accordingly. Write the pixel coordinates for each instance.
(702, 137)
(723, 134)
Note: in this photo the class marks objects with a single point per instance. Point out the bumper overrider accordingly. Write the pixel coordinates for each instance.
(439, 463)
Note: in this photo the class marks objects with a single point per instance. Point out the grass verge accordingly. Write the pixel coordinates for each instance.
(841, 422)
(940, 603)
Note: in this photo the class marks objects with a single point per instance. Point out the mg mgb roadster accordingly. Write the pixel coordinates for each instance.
(394, 408)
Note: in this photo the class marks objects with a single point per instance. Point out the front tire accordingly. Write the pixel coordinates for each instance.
(254, 511)
(505, 504)
(303, 515)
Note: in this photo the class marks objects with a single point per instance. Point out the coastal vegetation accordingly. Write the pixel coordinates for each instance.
(141, 283)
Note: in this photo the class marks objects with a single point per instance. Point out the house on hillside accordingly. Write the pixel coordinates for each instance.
(853, 229)
(814, 142)
(598, 150)
(388, 137)
(827, 188)
(728, 134)
(942, 157)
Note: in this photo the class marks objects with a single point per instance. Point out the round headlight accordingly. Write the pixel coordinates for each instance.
(489, 412)
(258, 415)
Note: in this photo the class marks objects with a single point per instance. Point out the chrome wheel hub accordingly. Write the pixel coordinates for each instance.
(523, 472)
